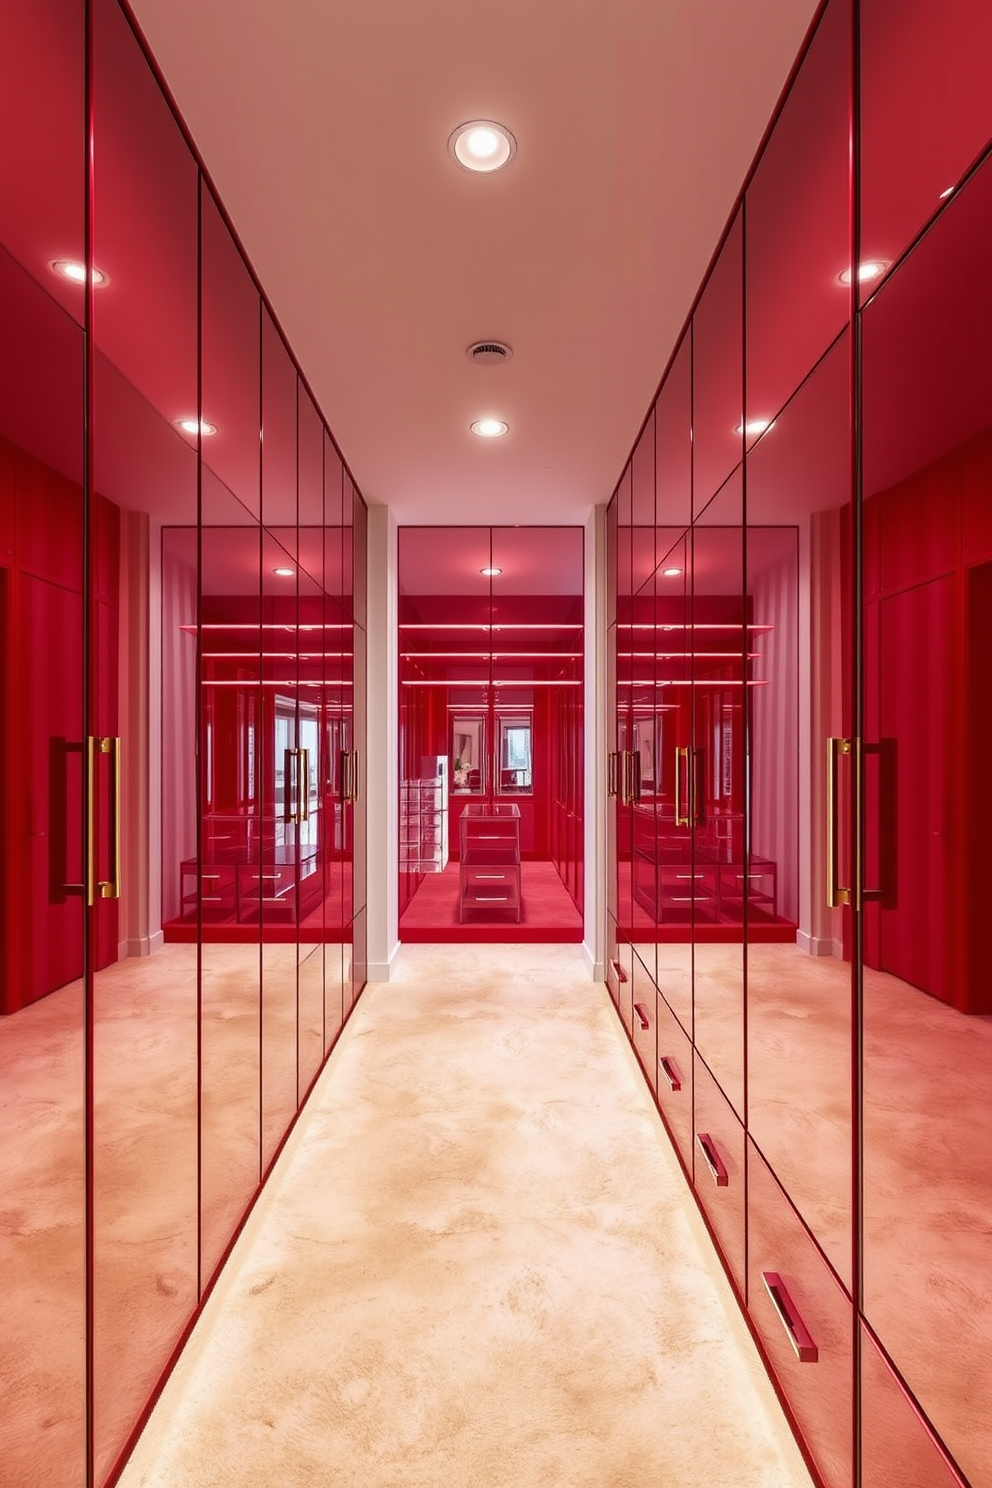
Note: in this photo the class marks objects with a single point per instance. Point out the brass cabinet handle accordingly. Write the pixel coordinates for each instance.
(349, 775)
(836, 893)
(304, 799)
(633, 776)
(612, 765)
(109, 888)
(681, 757)
(697, 807)
(803, 1346)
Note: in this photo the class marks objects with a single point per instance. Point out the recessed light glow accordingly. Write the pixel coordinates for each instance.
(284, 573)
(482, 145)
(945, 194)
(76, 272)
(190, 426)
(490, 573)
(871, 268)
(754, 427)
(489, 428)
(671, 573)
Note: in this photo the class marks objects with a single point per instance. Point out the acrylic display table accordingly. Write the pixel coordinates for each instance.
(489, 860)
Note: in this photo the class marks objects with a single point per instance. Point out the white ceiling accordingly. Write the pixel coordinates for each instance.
(324, 124)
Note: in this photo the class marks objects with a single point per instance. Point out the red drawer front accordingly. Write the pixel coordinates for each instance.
(644, 1021)
(718, 1167)
(674, 1079)
(620, 974)
(810, 1313)
(896, 1444)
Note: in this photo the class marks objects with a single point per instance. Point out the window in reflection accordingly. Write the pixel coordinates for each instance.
(515, 754)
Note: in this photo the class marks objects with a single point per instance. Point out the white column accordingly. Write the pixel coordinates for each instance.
(382, 746)
(595, 703)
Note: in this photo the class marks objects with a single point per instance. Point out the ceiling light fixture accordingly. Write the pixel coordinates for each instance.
(753, 427)
(76, 272)
(489, 428)
(870, 268)
(190, 426)
(482, 145)
(945, 194)
(490, 573)
(284, 573)
(671, 573)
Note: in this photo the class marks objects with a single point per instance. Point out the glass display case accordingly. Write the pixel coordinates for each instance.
(489, 861)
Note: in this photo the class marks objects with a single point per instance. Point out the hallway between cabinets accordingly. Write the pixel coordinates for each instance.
(476, 1263)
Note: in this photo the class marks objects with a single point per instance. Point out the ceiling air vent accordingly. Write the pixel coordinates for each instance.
(489, 353)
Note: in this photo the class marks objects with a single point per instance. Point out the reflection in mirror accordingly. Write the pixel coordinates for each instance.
(648, 744)
(927, 1208)
(515, 760)
(468, 755)
(42, 727)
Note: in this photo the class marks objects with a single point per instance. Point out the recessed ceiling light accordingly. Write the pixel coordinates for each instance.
(284, 573)
(753, 427)
(871, 268)
(489, 428)
(945, 194)
(190, 426)
(671, 573)
(490, 573)
(482, 145)
(76, 272)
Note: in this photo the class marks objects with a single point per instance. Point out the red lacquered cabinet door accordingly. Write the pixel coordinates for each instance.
(674, 1079)
(896, 1445)
(718, 1166)
(803, 1317)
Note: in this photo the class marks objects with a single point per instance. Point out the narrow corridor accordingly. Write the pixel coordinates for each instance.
(477, 1263)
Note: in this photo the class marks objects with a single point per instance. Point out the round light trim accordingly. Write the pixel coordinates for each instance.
(190, 426)
(69, 268)
(671, 573)
(490, 573)
(482, 145)
(871, 268)
(284, 573)
(489, 428)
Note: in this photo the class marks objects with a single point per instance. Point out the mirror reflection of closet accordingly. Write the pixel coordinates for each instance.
(468, 754)
(515, 755)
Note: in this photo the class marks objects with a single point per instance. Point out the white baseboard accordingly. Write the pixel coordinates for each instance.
(381, 971)
(597, 970)
(818, 945)
(143, 945)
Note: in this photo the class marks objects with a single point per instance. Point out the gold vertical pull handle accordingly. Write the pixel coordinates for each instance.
(836, 894)
(697, 802)
(356, 776)
(304, 798)
(612, 764)
(634, 784)
(108, 888)
(681, 757)
(288, 812)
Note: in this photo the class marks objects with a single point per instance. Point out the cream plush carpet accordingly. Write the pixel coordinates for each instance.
(476, 1266)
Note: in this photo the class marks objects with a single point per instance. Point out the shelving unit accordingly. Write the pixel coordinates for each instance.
(424, 819)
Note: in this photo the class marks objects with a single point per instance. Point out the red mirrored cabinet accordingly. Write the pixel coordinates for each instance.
(491, 733)
(799, 608)
(182, 621)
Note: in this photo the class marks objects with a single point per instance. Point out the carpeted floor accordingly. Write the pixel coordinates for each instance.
(547, 914)
(476, 1266)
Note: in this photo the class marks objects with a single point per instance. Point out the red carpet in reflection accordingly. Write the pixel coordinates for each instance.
(548, 912)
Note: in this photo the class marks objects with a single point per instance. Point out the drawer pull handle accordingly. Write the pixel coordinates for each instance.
(671, 1073)
(803, 1346)
(713, 1160)
(495, 877)
(618, 970)
(642, 1015)
(491, 898)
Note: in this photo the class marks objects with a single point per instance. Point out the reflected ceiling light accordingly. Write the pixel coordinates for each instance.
(489, 428)
(284, 573)
(945, 194)
(490, 573)
(76, 272)
(870, 268)
(754, 427)
(190, 426)
(671, 573)
(482, 145)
